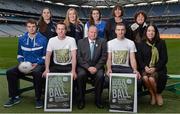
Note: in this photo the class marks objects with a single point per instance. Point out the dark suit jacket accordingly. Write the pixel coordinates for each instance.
(100, 54)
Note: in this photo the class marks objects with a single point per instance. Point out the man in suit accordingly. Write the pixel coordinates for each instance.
(92, 56)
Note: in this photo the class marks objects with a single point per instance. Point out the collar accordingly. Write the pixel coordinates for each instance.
(59, 38)
(120, 39)
(91, 41)
(98, 23)
(134, 26)
(32, 37)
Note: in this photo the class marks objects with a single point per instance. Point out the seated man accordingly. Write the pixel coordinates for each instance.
(120, 51)
(63, 48)
(92, 56)
(31, 48)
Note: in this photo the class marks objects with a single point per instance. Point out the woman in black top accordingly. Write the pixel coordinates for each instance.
(136, 30)
(74, 25)
(152, 57)
(45, 24)
(117, 14)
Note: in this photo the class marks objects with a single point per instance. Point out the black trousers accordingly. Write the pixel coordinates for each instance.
(98, 83)
(60, 68)
(13, 76)
(123, 69)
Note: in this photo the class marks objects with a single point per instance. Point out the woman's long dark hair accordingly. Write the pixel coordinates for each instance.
(156, 37)
(118, 6)
(91, 20)
(42, 25)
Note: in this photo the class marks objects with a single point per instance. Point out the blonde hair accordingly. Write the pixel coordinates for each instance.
(67, 21)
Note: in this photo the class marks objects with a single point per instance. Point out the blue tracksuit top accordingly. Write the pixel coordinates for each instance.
(32, 50)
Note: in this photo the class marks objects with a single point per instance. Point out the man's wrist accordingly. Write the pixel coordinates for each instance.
(73, 71)
(135, 71)
(47, 69)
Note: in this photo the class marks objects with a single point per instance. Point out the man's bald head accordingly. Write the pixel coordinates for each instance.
(92, 32)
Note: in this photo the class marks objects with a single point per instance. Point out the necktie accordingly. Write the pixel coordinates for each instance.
(92, 49)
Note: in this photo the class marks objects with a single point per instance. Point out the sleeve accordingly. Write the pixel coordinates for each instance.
(82, 32)
(42, 60)
(49, 46)
(107, 29)
(140, 58)
(80, 60)
(109, 49)
(129, 34)
(127, 26)
(102, 61)
(20, 56)
(73, 44)
(163, 56)
(86, 30)
(132, 47)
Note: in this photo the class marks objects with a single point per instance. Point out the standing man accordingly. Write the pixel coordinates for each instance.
(63, 48)
(121, 52)
(92, 56)
(31, 48)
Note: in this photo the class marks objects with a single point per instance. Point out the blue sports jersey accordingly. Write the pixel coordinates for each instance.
(32, 50)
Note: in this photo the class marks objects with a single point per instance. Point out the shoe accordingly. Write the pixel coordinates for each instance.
(39, 104)
(12, 101)
(81, 105)
(99, 105)
(159, 100)
(153, 100)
